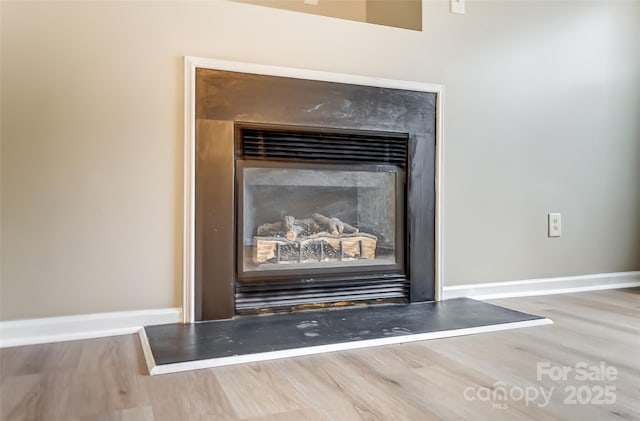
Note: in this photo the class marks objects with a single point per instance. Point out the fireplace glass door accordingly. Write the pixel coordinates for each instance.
(297, 219)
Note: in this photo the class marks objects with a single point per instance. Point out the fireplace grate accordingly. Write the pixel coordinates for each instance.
(327, 146)
(251, 298)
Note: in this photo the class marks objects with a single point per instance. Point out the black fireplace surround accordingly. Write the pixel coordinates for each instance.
(311, 194)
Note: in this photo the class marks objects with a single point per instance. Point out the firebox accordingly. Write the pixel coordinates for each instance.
(311, 193)
(320, 217)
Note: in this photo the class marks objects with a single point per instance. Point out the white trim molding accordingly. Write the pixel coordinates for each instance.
(85, 326)
(188, 214)
(193, 63)
(146, 351)
(297, 352)
(544, 286)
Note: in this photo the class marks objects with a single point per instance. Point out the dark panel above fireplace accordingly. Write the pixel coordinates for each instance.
(339, 110)
(234, 96)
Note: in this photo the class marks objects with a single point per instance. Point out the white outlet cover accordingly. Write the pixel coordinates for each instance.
(554, 222)
(457, 6)
(311, 2)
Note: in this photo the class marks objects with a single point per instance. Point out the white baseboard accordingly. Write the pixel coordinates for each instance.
(70, 328)
(545, 286)
(85, 326)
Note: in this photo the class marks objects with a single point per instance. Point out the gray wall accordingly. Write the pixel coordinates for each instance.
(541, 109)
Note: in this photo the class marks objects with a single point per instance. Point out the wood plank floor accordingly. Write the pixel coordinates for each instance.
(446, 379)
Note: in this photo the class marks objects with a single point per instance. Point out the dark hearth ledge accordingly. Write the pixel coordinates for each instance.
(177, 347)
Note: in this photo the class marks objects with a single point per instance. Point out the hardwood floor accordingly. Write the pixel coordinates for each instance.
(445, 379)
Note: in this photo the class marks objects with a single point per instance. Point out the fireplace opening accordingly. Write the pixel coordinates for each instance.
(320, 218)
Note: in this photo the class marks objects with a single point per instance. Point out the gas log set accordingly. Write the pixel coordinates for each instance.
(315, 239)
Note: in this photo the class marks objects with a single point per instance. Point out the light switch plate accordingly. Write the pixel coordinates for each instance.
(457, 6)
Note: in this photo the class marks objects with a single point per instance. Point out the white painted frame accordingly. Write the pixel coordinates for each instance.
(190, 66)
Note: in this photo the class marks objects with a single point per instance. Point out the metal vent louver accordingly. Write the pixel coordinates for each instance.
(353, 147)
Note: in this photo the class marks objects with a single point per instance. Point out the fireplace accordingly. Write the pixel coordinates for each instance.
(310, 193)
(319, 217)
